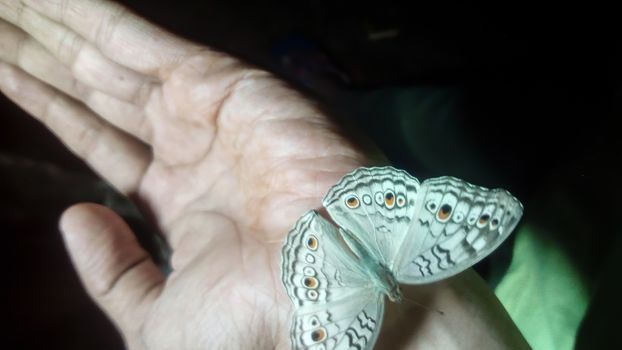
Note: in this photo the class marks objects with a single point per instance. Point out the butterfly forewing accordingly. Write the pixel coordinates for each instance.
(455, 225)
(336, 304)
(376, 205)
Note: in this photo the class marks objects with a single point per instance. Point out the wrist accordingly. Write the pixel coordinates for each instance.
(459, 313)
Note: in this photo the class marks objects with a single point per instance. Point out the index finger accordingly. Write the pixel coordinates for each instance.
(119, 34)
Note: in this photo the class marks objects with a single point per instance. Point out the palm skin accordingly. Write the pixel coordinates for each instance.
(223, 157)
(249, 171)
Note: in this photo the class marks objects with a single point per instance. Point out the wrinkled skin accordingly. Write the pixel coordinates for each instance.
(223, 157)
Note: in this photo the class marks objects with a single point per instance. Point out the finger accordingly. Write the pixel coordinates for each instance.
(87, 64)
(19, 49)
(116, 271)
(118, 157)
(122, 36)
(23, 51)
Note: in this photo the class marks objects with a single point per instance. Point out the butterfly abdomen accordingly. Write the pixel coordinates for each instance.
(387, 283)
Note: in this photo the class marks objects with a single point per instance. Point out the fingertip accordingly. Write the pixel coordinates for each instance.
(116, 271)
(100, 244)
(75, 216)
(88, 219)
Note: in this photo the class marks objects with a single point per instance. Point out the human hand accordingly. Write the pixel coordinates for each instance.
(224, 158)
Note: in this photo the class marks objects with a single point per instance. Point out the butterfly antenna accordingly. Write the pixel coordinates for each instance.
(424, 307)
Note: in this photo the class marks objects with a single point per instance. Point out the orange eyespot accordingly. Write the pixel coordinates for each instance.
(318, 335)
(443, 212)
(310, 282)
(389, 199)
(312, 243)
(352, 202)
(484, 219)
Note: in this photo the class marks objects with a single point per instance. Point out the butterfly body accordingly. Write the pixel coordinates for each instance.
(387, 283)
(392, 230)
(384, 280)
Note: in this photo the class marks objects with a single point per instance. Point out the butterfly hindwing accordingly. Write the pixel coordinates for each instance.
(376, 205)
(350, 323)
(336, 305)
(455, 225)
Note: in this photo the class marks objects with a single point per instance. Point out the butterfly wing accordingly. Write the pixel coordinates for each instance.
(376, 205)
(455, 225)
(347, 324)
(336, 305)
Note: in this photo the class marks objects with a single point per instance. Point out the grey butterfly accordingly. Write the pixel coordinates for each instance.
(392, 230)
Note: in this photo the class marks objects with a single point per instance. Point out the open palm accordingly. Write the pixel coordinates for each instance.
(222, 156)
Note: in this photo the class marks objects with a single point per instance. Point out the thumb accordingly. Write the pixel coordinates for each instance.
(116, 271)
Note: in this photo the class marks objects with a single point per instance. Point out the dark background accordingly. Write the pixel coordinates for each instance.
(538, 94)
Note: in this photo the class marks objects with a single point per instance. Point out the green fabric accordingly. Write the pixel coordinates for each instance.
(543, 292)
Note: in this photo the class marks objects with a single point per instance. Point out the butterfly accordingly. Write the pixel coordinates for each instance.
(392, 229)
